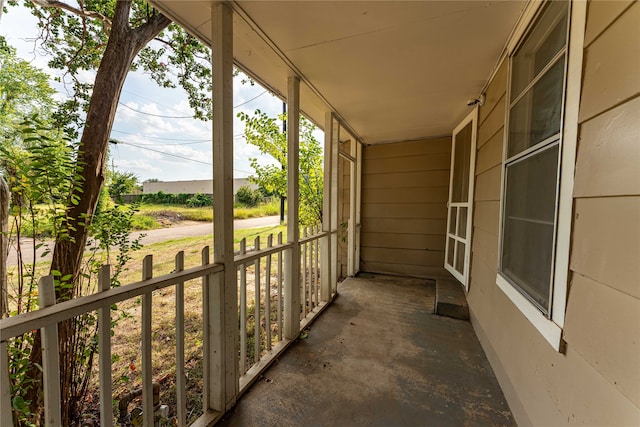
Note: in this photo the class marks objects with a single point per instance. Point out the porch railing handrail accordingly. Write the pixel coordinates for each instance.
(18, 325)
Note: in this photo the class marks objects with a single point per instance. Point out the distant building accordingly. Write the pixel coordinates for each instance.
(203, 186)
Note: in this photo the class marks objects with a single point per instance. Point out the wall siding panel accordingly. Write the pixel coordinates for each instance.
(612, 66)
(404, 207)
(606, 241)
(602, 325)
(608, 161)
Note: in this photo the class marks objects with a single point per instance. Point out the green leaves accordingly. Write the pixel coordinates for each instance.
(265, 133)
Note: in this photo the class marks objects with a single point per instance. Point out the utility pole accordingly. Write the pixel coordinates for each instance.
(284, 131)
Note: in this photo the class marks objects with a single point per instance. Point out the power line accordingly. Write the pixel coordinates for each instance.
(184, 117)
(254, 98)
(116, 142)
(154, 115)
(186, 141)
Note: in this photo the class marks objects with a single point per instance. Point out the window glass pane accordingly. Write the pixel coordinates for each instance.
(537, 115)
(461, 161)
(460, 258)
(452, 220)
(541, 45)
(529, 218)
(462, 227)
(450, 251)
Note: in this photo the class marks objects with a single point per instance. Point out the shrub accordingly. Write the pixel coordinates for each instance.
(199, 200)
(248, 197)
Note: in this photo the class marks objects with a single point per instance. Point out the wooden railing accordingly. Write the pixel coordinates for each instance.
(261, 290)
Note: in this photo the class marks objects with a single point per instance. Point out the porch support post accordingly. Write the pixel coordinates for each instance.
(335, 142)
(222, 329)
(325, 251)
(292, 256)
(353, 222)
(358, 205)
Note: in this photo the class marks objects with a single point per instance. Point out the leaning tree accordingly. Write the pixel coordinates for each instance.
(109, 39)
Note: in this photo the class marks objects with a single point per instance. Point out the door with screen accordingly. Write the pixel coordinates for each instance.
(460, 203)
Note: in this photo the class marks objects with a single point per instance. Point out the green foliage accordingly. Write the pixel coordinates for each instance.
(199, 200)
(264, 132)
(162, 198)
(121, 183)
(24, 91)
(246, 196)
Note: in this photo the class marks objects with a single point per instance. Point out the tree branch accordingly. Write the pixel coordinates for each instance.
(82, 13)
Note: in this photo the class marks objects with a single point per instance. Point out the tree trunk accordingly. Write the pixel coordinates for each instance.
(4, 247)
(123, 46)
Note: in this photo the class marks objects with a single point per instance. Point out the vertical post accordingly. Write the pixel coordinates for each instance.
(4, 245)
(267, 298)
(257, 312)
(147, 368)
(327, 206)
(50, 357)
(335, 140)
(243, 309)
(206, 345)
(104, 349)
(223, 302)
(181, 378)
(351, 238)
(292, 256)
(6, 416)
(358, 206)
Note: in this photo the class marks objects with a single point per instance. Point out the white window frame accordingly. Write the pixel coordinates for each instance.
(550, 327)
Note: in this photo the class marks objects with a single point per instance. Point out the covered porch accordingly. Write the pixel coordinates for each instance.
(370, 74)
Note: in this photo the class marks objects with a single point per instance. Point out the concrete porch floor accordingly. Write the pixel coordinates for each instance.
(378, 357)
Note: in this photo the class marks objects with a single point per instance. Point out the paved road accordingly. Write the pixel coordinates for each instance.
(151, 236)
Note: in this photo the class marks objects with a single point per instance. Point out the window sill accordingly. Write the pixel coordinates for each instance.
(547, 328)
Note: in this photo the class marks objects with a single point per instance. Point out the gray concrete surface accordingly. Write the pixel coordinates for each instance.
(378, 356)
(151, 236)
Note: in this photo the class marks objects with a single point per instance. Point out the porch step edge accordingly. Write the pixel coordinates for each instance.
(450, 299)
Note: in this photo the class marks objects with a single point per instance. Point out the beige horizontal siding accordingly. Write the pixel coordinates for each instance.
(608, 160)
(404, 194)
(405, 226)
(427, 242)
(492, 124)
(606, 242)
(488, 184)
(601, 14)
(490, 154)
(612, 66)
(410, 148)
(420, 179)
(495, 93)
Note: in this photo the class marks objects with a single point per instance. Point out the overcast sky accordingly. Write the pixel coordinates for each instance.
(164, 148)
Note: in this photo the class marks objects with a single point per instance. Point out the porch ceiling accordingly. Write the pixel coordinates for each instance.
(391, 70)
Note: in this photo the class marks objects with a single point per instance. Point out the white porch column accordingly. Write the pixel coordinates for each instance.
(358, 228)
(222, 330)
(292, 256)
(328, 260)
(335, 151)
(354, 171)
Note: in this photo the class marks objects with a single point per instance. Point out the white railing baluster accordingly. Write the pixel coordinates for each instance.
(104, 351)
(206, 345)
(280, 278)
(243, 310)
(256, 337)
(318, 266)
(181, 398)
(267, 293)
(6, 416)
(147, 369)
(303, 297)
(50, 356)
(312, 273)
